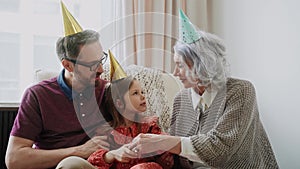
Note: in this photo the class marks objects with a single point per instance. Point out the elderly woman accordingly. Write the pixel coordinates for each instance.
(215, 121)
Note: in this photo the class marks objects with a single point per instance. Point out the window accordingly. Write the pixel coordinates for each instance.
(9, 5)
(9, 69)
(28, 36)
(49, 7)
(44, 53)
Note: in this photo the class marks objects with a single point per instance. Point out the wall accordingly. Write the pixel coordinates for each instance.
(262, 39)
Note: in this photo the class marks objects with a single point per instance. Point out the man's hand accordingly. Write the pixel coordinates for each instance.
(92, 145)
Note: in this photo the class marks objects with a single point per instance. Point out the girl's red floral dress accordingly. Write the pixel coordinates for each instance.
(123, 135)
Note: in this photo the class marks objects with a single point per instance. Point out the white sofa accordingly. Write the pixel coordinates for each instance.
(160, 89)
(41, 74)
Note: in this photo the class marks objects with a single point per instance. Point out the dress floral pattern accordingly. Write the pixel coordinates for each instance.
(123, 135)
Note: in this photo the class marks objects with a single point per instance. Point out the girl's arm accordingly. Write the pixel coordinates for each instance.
(104, 159)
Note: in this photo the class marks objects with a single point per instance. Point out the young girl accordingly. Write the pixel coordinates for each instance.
(126, 102)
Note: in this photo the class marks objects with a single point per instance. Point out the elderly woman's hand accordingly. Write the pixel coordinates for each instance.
(145, 144)
(123, 154)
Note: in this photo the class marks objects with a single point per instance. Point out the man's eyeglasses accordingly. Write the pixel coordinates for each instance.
(92, 65)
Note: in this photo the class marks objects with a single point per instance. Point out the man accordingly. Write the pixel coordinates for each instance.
(57, 117)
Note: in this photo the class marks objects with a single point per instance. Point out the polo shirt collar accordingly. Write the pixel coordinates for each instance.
(63, 85)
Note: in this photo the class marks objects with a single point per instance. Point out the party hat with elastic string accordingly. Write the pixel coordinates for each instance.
(116, 71)
(70, 23)
(187, 31)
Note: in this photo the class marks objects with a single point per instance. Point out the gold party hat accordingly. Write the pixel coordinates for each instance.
(116, 71)
(70, 23)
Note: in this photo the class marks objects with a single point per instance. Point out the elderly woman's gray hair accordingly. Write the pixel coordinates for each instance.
(207, 56)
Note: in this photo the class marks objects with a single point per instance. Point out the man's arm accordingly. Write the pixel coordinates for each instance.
(20, 153)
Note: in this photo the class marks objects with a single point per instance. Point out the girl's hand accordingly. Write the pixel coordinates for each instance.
(91, 146)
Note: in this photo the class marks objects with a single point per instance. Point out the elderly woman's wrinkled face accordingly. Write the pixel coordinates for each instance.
(184, 72)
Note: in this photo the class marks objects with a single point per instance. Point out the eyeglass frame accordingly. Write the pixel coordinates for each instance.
(90, 65)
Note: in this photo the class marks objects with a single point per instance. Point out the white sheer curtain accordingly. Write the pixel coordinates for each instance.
(143, 32)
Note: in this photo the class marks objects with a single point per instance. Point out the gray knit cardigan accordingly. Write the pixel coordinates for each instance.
(232, 135)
